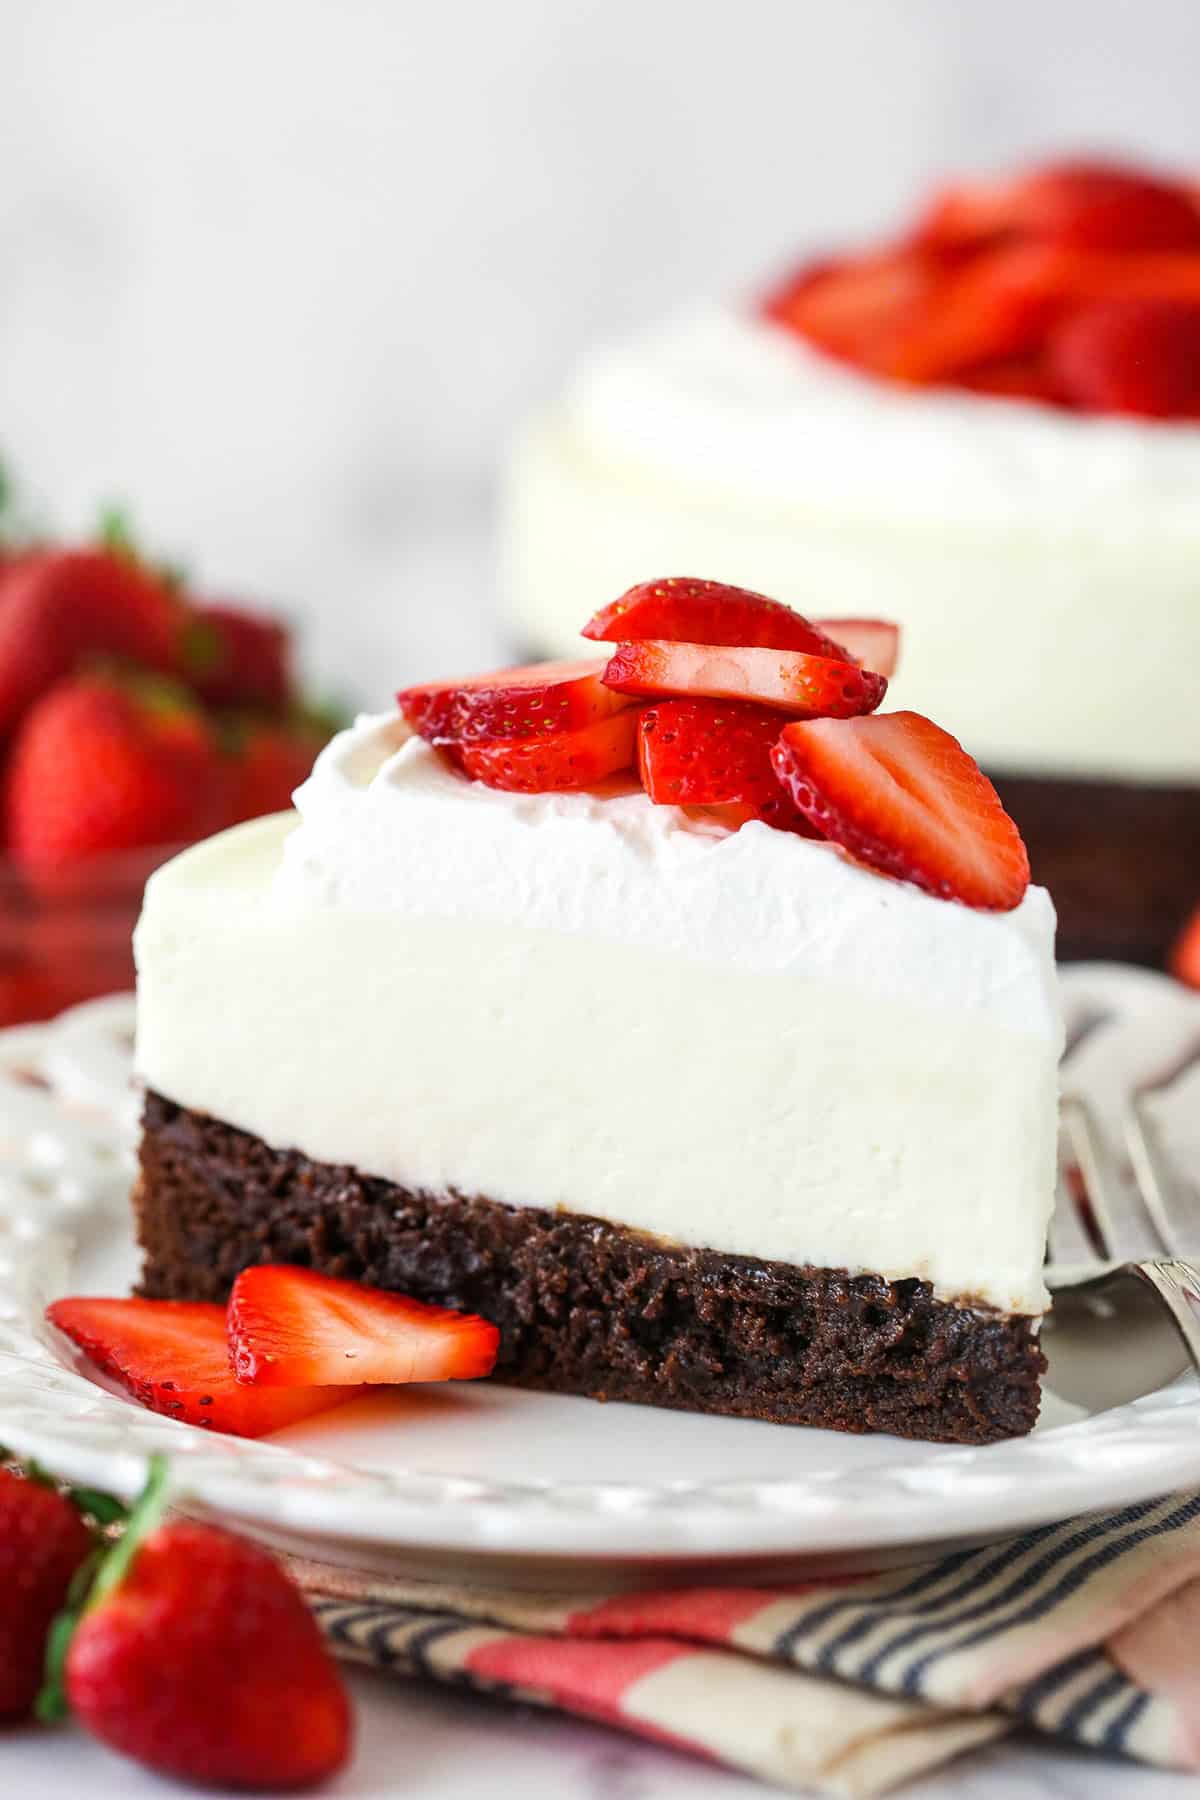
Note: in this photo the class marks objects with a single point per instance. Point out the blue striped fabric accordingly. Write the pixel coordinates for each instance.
(1019, 1628)
(899, 1638)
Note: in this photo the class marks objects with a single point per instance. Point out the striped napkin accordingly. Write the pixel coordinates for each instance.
(1086, 1631)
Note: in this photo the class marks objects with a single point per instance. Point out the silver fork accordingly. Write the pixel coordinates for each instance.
(1124, 1251)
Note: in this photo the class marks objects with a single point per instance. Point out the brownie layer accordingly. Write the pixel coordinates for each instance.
(1121, 861)
(584, 1307)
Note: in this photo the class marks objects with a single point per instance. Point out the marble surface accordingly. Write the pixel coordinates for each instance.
(422, 1743)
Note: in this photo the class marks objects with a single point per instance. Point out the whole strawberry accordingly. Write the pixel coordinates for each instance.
(111, 762)
(236, 658)
(61, 608)
(43, 1541)
(268, 759)
(197, 1656)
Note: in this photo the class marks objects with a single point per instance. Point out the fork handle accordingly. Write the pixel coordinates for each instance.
(1177, 1284)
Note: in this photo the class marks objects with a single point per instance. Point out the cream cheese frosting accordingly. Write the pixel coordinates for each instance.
(737, 1040)
(1043, 565)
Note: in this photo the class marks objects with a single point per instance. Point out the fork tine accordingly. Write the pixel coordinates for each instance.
(1152, 1172)
(1070, 1245)
(1083, 1137)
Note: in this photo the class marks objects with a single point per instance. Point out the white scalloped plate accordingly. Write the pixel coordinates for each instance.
(523, 1486)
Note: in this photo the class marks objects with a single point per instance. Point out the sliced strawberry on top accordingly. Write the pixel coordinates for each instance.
(1185, 957)
(809, 687)
(1085, 205)
(173, 1357)
(901, 794)
(1131, 356)
(874, 643)
(532, 702)
(1015, 378)
(854, 308)
(715, 753)
(998, 306)
(682, 608)
(542, 765)
(290, 1326)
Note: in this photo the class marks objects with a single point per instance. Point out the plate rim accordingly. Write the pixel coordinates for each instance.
(77, 1178)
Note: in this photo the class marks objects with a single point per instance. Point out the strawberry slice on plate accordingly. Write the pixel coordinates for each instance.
(532, 702)
(901, 794)
(1140, 357)
(806, 686)
(543, 765)
(290, 1326)
(685, 609)
(173, 1357)
(715, 753)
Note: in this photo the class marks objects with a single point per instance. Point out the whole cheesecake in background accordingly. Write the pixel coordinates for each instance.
(677, 1011)
(988, 429)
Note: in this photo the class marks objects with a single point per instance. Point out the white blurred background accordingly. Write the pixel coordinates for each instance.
(284, 274)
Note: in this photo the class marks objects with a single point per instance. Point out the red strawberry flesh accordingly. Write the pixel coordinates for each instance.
(1140, 357)
(715, 753)
(902, 795)
(173, 1357)
(540, 700)
(1085, 205)
(569, 759)
(290, 1326)
(803, 685)
(682, 608)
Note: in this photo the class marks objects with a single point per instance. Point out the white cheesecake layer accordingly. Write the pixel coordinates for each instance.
(743, 1042)
(1015, 544)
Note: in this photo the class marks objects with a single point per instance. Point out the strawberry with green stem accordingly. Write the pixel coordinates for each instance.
(192, 1652)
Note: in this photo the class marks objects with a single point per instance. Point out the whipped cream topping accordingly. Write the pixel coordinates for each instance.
(389, 826)
(739, 408)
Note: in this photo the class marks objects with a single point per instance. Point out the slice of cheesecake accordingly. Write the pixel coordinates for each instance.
(699, 1116)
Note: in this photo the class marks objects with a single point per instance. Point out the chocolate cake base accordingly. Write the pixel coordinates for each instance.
(585, 1307)
(1121, 861)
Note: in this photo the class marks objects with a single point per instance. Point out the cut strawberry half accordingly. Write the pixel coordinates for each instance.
(173, 1357)
(1185, 957)
(537, 701)
(873, 643)
(715, 753)
(684, 609)
(901, 794)
(290, 1327)
(1140, 357)
(810, 687)
(569, 759)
